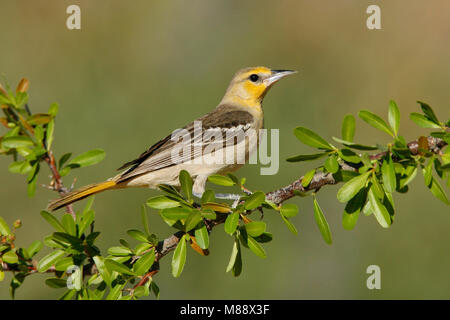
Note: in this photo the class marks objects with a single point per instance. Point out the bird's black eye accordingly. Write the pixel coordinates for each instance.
(254, 77)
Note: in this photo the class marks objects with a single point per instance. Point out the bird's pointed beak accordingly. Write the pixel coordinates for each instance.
(277, 75)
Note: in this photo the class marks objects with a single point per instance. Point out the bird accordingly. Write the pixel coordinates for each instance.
(239, 110)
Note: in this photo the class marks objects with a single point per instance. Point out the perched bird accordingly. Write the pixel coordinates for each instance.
(239, 109)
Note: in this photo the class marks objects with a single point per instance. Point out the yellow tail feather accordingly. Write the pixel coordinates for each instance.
(81, 193)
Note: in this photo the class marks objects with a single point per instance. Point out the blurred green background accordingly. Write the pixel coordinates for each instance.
(137, 70)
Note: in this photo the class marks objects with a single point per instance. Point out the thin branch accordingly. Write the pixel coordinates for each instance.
(319, 180)
(58, 184)
(278, 196)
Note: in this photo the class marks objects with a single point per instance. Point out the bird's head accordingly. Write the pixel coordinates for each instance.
(249, 85)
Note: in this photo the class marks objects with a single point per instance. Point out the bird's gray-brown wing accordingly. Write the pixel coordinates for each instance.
(159, 155)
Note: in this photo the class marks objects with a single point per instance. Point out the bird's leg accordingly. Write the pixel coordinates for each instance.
(223, 196)
(197, 194)
(228, 196)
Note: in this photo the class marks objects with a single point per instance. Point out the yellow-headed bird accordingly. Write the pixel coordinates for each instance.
(239, 109)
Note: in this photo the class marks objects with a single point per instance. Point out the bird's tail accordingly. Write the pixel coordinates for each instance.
(82, 193)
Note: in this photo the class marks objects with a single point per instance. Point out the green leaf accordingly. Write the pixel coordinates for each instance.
(308, 177)
(221, 180)
(186, 184)
(86, 220)
(348, 128)
(352, 187)
(422, 121)
(120, 251)
(68, 295)
(56, 283)
(49, 134)
(437, 191)
(255, 228)
(192, 220)
(255, 200)
(322, 222)
(112, 265)
(162, 202)
(379, 210)
(64, 159)
(69, 224)
(10, 257)
(4, 228)
(234, 178)
(65, 171)
(31, 187)
(39, 118)
(53, 221)
(138, 235)
(264, 237)
(352, 209)
(171, 192)
(388, 173)
(349, 156)
(289, 210)
(306, 157)
(429, 113)
(144, 263)
(231, 222)
(67, 238)
(115, 292)
(289, 224)
(427, 172)
(88, 158)
(179, 257)
(208, 196)
(234, 254)
(375, 121)
(411, 173)
(367, 209)
(356, 146)
(176, 213)
(53, 110)
(51, 242)
(202, 237)
(46, 262)
(209, 214)
(64, 263)
(394, 116)
(256, 247)
(331, 164)
(21, 167)
(445, 167)
(155, 289)
(141, 291)
(377, 189)
(311, 138)
(39, 134)
(104, 272)
(141, 247)
(34, 248)
(16, 142)
(144, 218)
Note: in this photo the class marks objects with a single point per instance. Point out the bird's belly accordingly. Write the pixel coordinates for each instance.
(230, 159)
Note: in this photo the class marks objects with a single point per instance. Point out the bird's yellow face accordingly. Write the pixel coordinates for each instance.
(250, 85)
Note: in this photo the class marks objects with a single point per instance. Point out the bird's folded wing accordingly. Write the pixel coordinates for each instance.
(223, 119)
